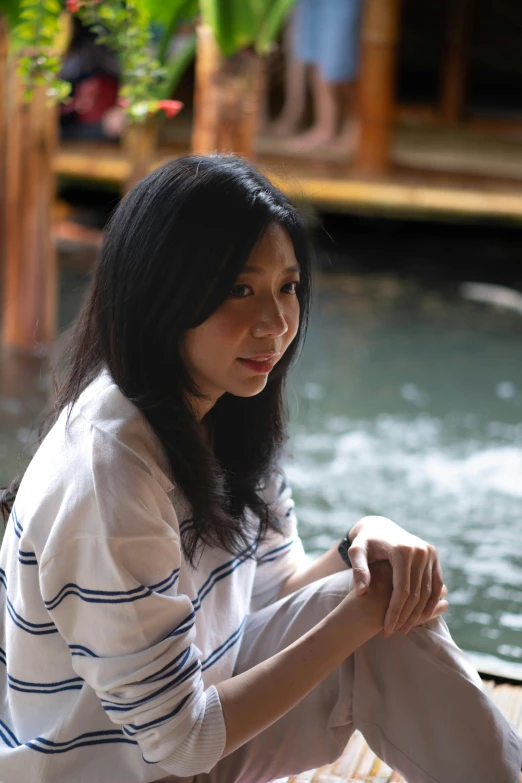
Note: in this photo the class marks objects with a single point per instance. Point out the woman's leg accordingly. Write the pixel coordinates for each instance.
(416, 699)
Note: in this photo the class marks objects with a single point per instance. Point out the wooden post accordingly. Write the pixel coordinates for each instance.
(140, 143)
(30, 273)
(228, 98)
(455, 60)
(376, 88)
(3, 130)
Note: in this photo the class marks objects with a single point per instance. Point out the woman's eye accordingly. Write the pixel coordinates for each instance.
(239, 291)
(293, 287)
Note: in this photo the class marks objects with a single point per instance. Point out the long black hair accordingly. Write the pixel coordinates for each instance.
(172, 251)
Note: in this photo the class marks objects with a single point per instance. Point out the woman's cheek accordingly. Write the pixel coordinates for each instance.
(227, 327)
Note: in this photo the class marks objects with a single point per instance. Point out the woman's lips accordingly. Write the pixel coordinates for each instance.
(257, 366)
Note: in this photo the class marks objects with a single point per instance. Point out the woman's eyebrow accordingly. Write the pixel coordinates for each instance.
(257, 270)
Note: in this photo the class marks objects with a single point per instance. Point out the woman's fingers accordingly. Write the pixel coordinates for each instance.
(437, 586)
(441, 607)
(425, 597)
(360, 570)
(420, 589)
(401, 565)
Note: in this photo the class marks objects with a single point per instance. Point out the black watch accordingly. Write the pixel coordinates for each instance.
(343, 548)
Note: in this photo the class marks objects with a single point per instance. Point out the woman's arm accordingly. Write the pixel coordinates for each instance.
(417, 575)
(255, 699)
(329, 563)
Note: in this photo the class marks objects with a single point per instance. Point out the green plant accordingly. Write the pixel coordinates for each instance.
(10, 9)
(148, 78)
(238, 24)
(149, 75)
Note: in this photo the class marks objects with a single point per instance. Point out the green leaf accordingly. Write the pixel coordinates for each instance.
(275, 16)
(11, 9)
(175, 69)
(237, 24)
(53, 6)
(30, 14)
(183, 10)
(161, 11)
(233, 23)
(107, 13)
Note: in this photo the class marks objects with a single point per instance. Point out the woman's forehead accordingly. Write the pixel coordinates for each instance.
(274, 250)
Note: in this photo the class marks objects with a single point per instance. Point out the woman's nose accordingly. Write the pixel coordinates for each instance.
(271, 322)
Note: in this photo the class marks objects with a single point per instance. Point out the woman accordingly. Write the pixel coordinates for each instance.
(159, 616)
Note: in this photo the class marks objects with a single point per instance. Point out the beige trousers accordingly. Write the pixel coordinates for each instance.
(416, 699)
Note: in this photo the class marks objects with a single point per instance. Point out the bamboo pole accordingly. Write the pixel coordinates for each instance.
(455, 60)
(377, 84)
(140, 145)
(228, 98)
(30, 272)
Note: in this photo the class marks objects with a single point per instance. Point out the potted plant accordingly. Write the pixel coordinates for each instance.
(35, 32)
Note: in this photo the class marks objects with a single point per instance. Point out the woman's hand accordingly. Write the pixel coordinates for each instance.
(418, 587)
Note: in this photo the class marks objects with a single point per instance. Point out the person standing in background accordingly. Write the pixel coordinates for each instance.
(322, 48)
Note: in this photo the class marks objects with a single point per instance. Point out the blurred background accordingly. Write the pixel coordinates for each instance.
(398, 128)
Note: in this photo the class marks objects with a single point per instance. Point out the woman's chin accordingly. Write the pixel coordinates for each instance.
(248, 388)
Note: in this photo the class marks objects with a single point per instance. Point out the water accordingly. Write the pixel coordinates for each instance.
(407, 402)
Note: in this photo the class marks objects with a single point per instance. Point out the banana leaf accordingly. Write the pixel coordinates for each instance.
(11, 9)
(176, 67)
(272, 23)
(238, 24)
(168, 14)
(162, 11)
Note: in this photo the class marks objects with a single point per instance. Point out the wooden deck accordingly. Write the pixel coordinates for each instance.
(358, 764)
(436, 172)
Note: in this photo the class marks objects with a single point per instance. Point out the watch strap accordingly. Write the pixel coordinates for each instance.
(343, 550)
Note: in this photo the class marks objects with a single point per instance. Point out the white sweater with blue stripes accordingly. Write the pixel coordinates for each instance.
(110, 644)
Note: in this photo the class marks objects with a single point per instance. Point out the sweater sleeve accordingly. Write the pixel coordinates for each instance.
(279, 555)
(113, 595)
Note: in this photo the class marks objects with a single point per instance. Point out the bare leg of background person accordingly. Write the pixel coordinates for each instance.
(295, 98)
(326, 116)
(348, 137)
(296, 73)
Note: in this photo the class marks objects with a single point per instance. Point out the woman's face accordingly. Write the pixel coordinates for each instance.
(259, 318)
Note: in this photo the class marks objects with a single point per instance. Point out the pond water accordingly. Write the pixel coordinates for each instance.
(407, 402)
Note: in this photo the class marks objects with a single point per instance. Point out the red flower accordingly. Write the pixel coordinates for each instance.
(171, 108)
(73, 6)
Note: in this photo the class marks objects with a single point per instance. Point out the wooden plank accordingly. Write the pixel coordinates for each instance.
(92, 162)
(329, 186)
(402, 197)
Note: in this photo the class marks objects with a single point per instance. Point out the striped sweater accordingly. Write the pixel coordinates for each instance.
(110, 643)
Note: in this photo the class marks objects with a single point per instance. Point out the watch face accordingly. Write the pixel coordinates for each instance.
(343, 551)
